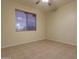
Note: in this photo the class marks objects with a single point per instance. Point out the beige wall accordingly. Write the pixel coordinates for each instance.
(61, 24)
(9, 35)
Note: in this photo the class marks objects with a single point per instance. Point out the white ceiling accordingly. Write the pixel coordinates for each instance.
(43, 6)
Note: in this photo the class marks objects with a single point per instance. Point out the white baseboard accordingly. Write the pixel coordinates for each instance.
(63, 42)
(20, 43)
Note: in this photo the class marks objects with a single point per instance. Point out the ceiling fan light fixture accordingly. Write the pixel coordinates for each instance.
(45, 1)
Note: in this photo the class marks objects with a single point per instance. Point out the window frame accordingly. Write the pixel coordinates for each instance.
(26, 20)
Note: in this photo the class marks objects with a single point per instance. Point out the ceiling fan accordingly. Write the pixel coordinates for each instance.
(45, 1)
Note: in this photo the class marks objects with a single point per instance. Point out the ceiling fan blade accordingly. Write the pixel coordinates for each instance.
(49, 4)
(37, 2)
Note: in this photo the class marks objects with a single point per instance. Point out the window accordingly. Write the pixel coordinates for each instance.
(25, 21)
